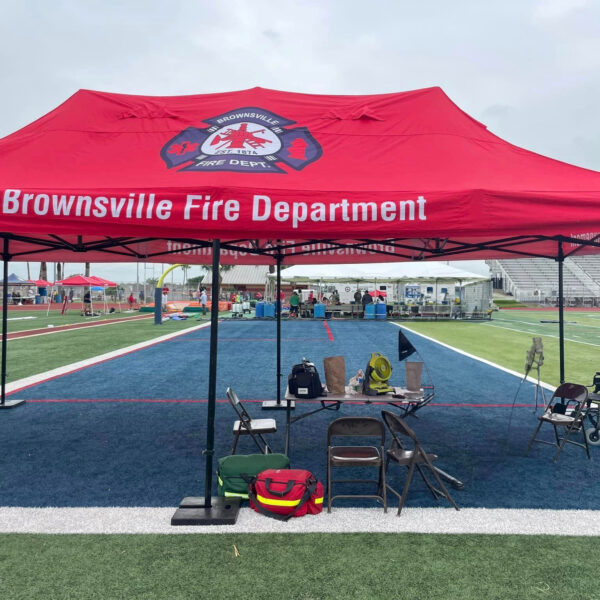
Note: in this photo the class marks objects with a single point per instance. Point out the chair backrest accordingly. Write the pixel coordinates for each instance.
(238, 406)
(396, 425)
(570, 394)
(356, 427)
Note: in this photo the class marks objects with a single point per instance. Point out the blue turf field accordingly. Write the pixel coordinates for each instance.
(130, 431)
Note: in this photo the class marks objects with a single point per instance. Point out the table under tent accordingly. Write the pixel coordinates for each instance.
(261, 176)
(17, 284)
(449, 292)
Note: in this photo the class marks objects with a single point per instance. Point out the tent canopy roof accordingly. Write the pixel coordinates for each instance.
(380, 272)
(268, 165)
(14, 279)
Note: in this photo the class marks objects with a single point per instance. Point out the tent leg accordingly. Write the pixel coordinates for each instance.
(277, 404)
(561, 313)
(4, 403)
(208, 510)
(158, 306)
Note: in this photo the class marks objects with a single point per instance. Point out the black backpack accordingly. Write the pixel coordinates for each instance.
(304, 382)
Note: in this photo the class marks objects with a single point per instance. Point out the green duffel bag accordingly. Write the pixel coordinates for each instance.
(229, 474)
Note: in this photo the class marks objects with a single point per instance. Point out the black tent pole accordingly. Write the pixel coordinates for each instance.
(561, 315)
(5, 259)
(208, 510)
(269, 404)
(212, 372)
(278, 305)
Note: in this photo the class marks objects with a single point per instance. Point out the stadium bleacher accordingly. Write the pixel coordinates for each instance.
(536, 279)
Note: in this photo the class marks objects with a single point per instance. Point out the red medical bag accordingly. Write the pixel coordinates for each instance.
(285, 493)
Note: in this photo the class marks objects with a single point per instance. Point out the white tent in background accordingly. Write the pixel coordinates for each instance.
(407, 272)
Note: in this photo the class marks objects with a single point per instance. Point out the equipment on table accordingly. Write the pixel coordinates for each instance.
(285, 493)
(407, 451)
(231, 470)
(593, 413)
(246, 425)
(566, 409)
(356, 456)
(377, 375)
(304, 381)
(417, 393)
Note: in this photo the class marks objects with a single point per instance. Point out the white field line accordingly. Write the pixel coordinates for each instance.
(40, 377)
(142, 520)
(542, 334)
(483, 360)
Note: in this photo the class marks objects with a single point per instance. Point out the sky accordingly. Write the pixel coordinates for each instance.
(528, 69)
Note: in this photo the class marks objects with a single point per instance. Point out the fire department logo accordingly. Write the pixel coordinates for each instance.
(248, 140)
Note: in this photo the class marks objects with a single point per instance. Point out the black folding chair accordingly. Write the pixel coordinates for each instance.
(406, 450)
(356, 456)
(246, 425)
(566, 410)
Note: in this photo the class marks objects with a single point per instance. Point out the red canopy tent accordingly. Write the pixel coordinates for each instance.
(40, 283)
(266, 172)
(268, 176)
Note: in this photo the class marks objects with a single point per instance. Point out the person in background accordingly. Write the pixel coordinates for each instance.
(131, 300)
(335, 297)
(71, 294)
(325, 300)
(203, 301)
(141, 295)
(311, 298)
(258, 296)
(357, 296)
(294, 304)
(87, 303)
(367, 298)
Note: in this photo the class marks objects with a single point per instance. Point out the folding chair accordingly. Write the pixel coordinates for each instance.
(246, 425)
(356, 456)
(566, 409)
(410, 454)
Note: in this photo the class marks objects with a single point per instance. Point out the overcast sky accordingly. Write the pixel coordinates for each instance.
(528, 69)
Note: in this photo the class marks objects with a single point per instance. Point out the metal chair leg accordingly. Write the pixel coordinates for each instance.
(533, 437)
(406, 486)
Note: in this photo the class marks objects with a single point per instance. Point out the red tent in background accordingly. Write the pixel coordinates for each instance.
(103, 282)
(76, 281)
(40, 283)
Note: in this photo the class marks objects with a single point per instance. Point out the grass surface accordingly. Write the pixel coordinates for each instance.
(18, 322)
(512, 303)
(28, 356)
(506, 338)
(309, 566)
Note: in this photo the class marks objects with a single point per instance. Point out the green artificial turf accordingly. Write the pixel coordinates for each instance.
(508, 303)
(40, 320)
(298, 567)
(28, 356)
(506, 338)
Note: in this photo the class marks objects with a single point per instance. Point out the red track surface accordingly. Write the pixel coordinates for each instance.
(28, 332)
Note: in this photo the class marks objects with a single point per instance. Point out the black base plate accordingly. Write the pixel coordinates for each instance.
(272, 405)
(12, 403)
(223, 511)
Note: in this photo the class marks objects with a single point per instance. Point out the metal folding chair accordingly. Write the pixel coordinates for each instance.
(356, 456)
(406, 450)
(566, 410)
(246, 425)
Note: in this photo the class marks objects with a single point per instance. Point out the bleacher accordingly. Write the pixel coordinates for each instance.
(536, 279)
